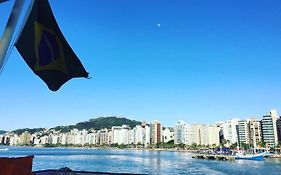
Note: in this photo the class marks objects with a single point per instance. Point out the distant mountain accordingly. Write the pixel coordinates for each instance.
(2, 132)
(100, 123)
(97, 123)
(31, 131)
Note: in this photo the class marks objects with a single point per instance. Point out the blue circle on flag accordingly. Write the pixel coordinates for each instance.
(48, 48)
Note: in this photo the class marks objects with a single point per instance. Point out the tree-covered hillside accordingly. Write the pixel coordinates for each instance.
(99, 123)
(31, 131)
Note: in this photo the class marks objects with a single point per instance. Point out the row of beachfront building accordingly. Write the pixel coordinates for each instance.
(251, 131)
(265, 132)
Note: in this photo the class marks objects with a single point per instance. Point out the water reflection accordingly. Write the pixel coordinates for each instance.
(141, 161)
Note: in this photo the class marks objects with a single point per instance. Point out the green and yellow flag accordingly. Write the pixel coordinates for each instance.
(45, 50)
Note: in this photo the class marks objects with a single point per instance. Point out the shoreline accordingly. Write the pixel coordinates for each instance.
(105, 148)
(6, 148)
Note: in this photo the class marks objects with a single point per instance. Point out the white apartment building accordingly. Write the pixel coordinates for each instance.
(103, 136)
(14, 140)
(44, 140)
(229, 131)
(116, 133)
(120, 135)
(147, 134)
(180, 132)
(167, 135)
(204, 140)
(194, 134)
(110, 137)
(269, 128)
(139, 135)
(202, 134)
(91, 137)
(63, 139)
(1, 139)
(84, 137)
(213, 135)
(54, 139)
(36, 140)
(132, 136)
(243, 131)
(74, 137)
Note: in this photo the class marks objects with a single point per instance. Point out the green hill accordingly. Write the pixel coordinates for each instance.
(99, 123)
(31, 131)
(2, 132)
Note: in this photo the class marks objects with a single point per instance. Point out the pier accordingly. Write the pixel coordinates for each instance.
(213, 156)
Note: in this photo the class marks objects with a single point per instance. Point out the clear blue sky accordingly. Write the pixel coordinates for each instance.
(207, 61)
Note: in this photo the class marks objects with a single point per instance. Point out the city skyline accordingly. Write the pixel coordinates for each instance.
(246, 133)
(193, 61)
(163, 122)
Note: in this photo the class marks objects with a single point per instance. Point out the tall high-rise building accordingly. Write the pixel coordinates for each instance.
(147, 134)
(179, 131)
(140, 135)
(110, 137)
(103, 136)
(229, 131)
(269, 128)
(255, 132)
(120, 135)
(213, 135)
(156, 132)
(116, 134)
(25, 138)
(198, 133)
(133, 135)
(84, 137)
(91, 138)
(137, 135)
(188, 140)
(204, 136)
(168, 135)
(278, 125)
(243, 132)
(194, 134)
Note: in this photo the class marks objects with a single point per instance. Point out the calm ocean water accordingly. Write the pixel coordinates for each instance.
(139, 161)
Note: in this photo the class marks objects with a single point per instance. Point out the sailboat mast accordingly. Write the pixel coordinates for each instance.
(9, 30)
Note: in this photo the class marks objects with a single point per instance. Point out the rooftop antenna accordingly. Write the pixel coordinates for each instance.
(9, 31)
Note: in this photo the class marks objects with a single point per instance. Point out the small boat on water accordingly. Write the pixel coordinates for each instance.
(259, 156)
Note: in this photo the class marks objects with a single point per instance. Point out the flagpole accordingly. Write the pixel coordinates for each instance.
(9, 30)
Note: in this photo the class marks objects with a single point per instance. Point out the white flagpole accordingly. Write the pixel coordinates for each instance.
(9, 30)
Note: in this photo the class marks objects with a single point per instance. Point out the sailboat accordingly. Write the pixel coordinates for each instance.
(259, 156)
(247, 156)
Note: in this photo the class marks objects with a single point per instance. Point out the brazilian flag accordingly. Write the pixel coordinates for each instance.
(45, 50)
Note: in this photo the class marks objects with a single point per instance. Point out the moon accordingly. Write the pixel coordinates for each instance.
(158, 25)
